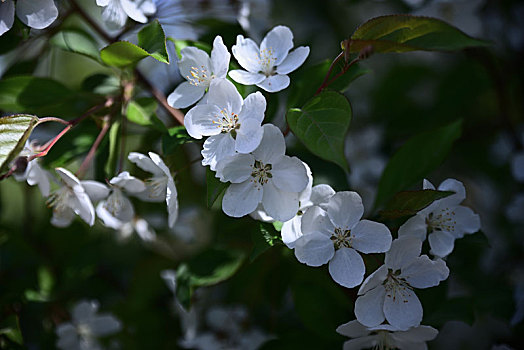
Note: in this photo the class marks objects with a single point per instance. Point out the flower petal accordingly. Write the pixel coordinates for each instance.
(62, 218)
(353, 329)
(453, 186)
(247, 54)
(185, 95)
(130, 183)
(38, 176)
(193, 59)
(272, 146)
(103, 325)
(236, 169)
(248, 136)
(274, 83)
(366, 342)
(416, 334)
(403, 252)
(199, 121)
(314, 249)
(320, 194)
(467, 221)
(369, 307)
(289, 174)
(316, 219)
(84, 310)
(280, 205)
(219, 58)
(278, 41)
(347, 267)
(291, 231)
(424, 272)
(294, 60)
(254, 107)
(241, 199)
(216, 149)
(132, 10)
(371, 237)
(38, 14)
(95, 190)
(82, 206)
(415, 226)
(376, 278)
(246, 78)
(7, 16)
(345, 209)
(145, 163)
(68, 177)
(402, 308)
(441, 243)
(224, 94)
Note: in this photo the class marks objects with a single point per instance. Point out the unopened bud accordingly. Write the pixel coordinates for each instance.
(20, 165)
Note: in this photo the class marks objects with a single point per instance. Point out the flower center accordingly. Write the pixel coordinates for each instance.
(199, 76)
(59, 199)
(115, 202)
(267, 61)
(441, 221)
(157, 186)
(396, 286)
(341, 238)
(261, 172)
(383, 341)
(228, 123)
(84, 331)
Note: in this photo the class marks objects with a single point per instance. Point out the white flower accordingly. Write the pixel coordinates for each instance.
(140, 226)
(388, 292)
(70, 199)
(85, 327)
(267, 67)
(199, 70)
(444, 220)
(232, 124)
(385, 336)
(37, 14)
(117, 209)
(159, 187)
(337, 234)
(34, 174)
(266, 175)
(116, 12)
(517, 166)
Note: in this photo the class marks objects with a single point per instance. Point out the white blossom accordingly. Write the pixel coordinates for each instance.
(117, 209)
(266, 175)
(385, 336)
(337, 234)
(267, 67)
(37, 14)
(232, 124)
(70, 199)
(199, 70)
(33, 173)
(160, 186)
(116, 12)
(387, 294)
(444, 220)
(85, 327)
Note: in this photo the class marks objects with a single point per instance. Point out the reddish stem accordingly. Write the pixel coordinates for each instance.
(324, 83)
(90, 155)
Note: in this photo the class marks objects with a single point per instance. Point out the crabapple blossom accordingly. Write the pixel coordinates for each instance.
(444, 220)
(117, 209)
(387, 294)
(232, 124)
(385, 336)
(267, 67)
(116, 12)
(85, 327)
(33, 173)
(71, 198)
(264, 176)
(336, 235)
(199, 69)
(37, 14)
(161, 186)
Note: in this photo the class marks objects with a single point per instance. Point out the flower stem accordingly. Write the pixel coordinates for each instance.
(90, 155)
(52, 119)
(326, 78)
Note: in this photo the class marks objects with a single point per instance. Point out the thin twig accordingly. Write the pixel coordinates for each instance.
(90, 155)
(324, 83)
(52, 119)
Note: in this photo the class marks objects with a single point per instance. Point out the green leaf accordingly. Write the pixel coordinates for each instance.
(408, 203)
(402, 33)
(14, 132)
(76, 42)
(206, 269)
(10, 327)
(309, 80)
(416, 159)
(180, 44)
(263, 239)
(278, 225)
(114, 137)
(175, 137)
(151, 42)
(322, 125)
(152, 39)
(141, 110)
(215, 187)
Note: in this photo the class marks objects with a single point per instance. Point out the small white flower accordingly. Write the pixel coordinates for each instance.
(232, 124)
(159, 187)
(444, 220)
(388, 292)
(199, 70)
(266, 175)
(385, 336)
(116, 12)
(117, 209)
(267, 67)
(37, 14)
(70, 199)
(34, 174)
(85, 327)
(337, 234)
(140, 226)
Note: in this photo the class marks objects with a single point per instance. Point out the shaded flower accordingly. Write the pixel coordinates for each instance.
(38, 14)
(116, 12)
